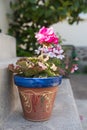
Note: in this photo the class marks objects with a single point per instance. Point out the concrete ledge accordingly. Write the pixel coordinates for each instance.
(64, 117)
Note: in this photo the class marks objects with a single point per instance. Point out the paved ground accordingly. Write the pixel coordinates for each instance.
(79, 86)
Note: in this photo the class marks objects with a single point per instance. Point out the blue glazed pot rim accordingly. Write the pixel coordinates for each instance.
(38, 77)
(37, 82)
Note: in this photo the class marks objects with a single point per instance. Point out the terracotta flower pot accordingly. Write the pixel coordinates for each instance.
(37, 96)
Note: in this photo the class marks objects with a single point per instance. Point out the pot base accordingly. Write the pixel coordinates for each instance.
(40, 120)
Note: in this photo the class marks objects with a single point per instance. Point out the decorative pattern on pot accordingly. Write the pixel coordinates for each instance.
(37, 103)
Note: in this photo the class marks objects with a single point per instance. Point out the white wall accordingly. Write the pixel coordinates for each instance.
(3, 18)
(75, 34)
(4, 10)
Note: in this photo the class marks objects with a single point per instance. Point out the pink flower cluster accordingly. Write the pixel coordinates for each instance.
(52, 52)
(74, 68)
(46, 36)
(50, 48)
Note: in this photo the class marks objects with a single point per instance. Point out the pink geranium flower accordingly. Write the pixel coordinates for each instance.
(46, 36)
(74, 68)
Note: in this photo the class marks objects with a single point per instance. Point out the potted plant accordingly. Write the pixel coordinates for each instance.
(38, 77)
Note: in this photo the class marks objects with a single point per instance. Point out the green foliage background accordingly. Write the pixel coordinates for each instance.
(30, 15)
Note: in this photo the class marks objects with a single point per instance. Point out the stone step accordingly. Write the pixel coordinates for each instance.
(64, 117)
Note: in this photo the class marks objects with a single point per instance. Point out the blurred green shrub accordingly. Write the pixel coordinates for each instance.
(85, 69)
(30, 15)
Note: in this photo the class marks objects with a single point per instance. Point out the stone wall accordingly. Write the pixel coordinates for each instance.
(7, 46)
(82, 55)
